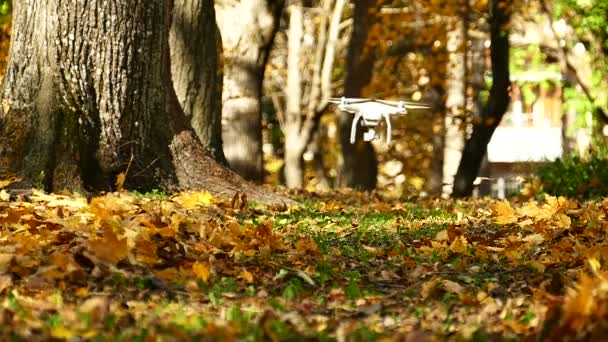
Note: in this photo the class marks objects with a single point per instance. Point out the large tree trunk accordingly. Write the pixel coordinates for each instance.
(195, 47)
(359, 167)
(248, 29)
(88, 95)
(493, 111)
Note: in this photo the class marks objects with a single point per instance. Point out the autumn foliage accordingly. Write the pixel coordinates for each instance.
(126, 265)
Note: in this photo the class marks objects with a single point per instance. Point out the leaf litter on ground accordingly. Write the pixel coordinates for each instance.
(340, 266)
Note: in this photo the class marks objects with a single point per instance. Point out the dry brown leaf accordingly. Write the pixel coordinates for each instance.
(442, 236)
(428, 287)
(452, 286)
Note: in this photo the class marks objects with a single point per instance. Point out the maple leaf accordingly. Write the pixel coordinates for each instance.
(109, 247)
(459, 245)
(505, 214)
(201, 270)
(190, 200)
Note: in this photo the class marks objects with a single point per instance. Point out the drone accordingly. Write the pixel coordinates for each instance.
(372, 111)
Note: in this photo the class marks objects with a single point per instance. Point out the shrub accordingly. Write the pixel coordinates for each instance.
(575, 176)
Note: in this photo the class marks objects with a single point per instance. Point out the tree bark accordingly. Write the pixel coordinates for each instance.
(493, 111)
(248, 29)
(88, 95)
(195, 47)
(455, 101)
(359, 167)
(294, 145)
(301, 120)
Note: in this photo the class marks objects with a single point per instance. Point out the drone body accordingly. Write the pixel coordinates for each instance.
(371, 112)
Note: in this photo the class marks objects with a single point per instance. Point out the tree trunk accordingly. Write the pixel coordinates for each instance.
(88, 95)
(493, 111)
(455, 102)
(294, 144)
(301, 121)
(248, 29)
(359, 167)
(195, 47)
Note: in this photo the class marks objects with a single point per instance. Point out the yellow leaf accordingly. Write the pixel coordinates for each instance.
(201, 270)
(247, 276)
(120, 181)
(109, 248)
(459, 245)
(4, 196)
(504, 213)
(564, 221)
(191, 200)
(62, 333)
(594, 265)
(6, 182)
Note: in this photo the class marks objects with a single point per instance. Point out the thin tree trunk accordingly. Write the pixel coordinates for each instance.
(88, 95)
(195, 69)
(300, 123)
(359, 167)
(248, 28)
(294, 146)
(493, 111)
(455, 102)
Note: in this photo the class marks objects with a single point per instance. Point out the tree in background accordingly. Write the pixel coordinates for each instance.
(195, 45)
(87, 102)
(300, 119)
(496, 105)
(359, 167)
(583, 50)
(248, 28)
(456, 83)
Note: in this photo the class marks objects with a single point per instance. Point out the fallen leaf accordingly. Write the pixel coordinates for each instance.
(505, 214)
(442, 236)
(452, 286)
(246, 276)
(534, 239)
(459, 245)
(428, 287)
(120, 181)
(109, 247)
(201, 269)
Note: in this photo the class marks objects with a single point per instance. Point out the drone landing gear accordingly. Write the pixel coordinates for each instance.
(370, 124)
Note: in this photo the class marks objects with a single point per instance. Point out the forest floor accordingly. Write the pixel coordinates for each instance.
(343, 266)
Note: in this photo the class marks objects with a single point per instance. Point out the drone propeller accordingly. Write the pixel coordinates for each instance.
(357, 100)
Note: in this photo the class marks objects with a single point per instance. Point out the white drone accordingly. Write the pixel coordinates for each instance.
(372, 111)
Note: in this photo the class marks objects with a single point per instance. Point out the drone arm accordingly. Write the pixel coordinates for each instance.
(388, 128)
(353, 129)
